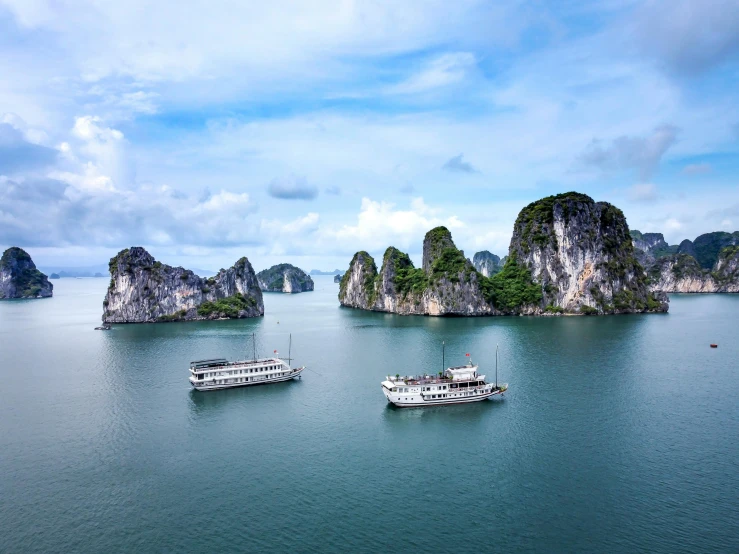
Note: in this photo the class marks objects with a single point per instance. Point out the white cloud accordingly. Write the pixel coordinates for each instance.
(382, 224)
(673, 224)
(643, 192)
(442, 71)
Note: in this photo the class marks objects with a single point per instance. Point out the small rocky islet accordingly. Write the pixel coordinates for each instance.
(284, 278)
(143, 290)
(568, 254)
(19, 277)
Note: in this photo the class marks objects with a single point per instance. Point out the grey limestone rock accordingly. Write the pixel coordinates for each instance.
(487, 263)
(19, 277)
(284, 278)
(143, 290)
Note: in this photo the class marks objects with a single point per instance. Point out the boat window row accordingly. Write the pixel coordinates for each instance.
(243, 379)
(237, 372)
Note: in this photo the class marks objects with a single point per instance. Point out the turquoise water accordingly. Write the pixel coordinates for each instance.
(618, 434)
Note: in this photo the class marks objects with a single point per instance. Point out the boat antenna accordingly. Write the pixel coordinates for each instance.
(289, 350)
(443, 344)
(254, 344)
(496, 366)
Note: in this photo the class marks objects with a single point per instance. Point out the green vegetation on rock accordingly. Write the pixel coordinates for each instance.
(227, 307)
(512, 288)
(708, 246)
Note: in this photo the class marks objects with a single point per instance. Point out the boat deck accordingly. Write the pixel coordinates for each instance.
(429, 380)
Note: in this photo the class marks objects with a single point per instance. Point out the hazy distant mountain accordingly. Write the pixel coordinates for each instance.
(87, 271)
(319, 272)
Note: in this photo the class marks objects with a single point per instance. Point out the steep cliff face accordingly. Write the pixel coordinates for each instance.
(284, 278)
(486, 263)
(357, 287)
(450, 285)
(143, 290)
(580, 252)
(683, 273)
(19, 277)
(680, 273)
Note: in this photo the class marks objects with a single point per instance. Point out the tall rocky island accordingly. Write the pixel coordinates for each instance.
(19, 277)
(568, 254)
(143, 290)
(284, 278)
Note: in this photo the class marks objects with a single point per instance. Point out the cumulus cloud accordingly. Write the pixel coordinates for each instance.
(50, 212)
(17, 154)
(689, 37)
(631, 152)
(458, 165)
(697, 169)
(381, 224)
(292, 187)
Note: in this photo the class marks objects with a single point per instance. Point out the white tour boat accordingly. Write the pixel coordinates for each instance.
(456, 385)
(221, 374)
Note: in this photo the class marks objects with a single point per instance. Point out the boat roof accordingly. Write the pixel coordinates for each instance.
(206, 363)
(215, 362)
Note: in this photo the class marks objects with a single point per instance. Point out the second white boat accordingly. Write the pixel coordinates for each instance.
(456, 385)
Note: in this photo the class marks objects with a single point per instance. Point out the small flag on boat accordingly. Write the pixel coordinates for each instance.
(275, 351)
(467, 355)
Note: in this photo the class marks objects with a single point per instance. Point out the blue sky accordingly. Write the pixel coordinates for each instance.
(305, 131)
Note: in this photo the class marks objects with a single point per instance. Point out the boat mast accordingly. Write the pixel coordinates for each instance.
(496, 366)
(254, 344)
(442, 357)
(289, 350)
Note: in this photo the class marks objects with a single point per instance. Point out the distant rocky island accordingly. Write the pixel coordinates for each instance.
(19, 277)
(284, 278)
(487, 263)
(337, 278)
(568, 254)
(710, 263)
(143, 290)
(319, 272)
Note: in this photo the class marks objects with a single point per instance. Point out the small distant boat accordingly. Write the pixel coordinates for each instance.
(219, 373)
(714, 346)
(105, 327)
(455, 385)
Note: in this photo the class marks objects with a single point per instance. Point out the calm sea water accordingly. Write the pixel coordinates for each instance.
(618, 434)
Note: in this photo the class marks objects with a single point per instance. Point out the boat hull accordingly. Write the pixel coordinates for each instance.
(221, 386)
(416, 401)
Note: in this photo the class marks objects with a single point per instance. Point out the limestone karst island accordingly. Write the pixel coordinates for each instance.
(19, 277)
(143, 290)
(284, 278)
(568, 255)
